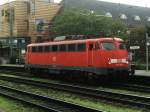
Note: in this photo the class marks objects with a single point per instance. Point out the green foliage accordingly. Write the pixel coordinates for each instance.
(119, 29)
(137, 38)
(8, 105)
(148, 30)
(75, 21)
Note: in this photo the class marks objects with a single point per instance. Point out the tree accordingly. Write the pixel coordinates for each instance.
(148, 30)
(75, 22)
(119, 29)
(138, 38)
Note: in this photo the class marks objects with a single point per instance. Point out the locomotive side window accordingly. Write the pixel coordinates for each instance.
(54, 48)
(34, 49)
(108, 45)
(81, 47)
(63, 47)
(72, 47)
(40, 48)
(50, 48)
(46, 48)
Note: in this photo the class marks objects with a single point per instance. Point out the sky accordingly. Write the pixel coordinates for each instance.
(143, 3)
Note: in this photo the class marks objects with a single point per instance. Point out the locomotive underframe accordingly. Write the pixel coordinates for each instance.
(97, 71)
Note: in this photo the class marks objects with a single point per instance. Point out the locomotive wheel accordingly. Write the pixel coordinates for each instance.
(92, 78)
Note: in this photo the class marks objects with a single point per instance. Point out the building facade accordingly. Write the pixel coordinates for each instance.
(14, 19)
(22, 22)
(41, 16)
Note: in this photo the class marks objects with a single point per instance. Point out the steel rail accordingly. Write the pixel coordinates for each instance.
(128, 99)
(131, 87)
(16, 73)
(144, 80)
(64, 105)
(12, 67)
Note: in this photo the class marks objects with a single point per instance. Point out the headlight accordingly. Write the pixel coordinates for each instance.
(113, 61)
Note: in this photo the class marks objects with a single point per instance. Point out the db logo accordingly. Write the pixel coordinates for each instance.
(54, 59)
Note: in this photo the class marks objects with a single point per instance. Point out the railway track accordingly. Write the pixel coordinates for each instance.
(131, 87)
(12, 68)
(16, 73)
(128, 99)
(43, 102)
(133, 80)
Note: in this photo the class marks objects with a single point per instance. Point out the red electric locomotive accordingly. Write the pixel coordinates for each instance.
(101, 56)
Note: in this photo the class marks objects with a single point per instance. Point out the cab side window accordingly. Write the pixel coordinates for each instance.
(94, 46)
(97, 46)
(91, 47)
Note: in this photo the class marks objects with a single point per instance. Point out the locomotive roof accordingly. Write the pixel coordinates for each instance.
(75, 41)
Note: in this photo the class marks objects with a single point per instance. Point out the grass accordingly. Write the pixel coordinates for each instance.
(89, 102)
(125, 91)
(7, 105)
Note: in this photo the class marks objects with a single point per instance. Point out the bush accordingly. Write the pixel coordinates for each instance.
(141, 66)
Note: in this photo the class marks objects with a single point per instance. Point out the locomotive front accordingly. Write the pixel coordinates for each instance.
(116, 56)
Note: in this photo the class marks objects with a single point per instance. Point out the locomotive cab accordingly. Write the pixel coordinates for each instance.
(115, 56)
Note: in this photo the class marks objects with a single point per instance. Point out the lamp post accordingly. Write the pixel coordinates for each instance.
(147, 52)
(147, 55)
(10, 30)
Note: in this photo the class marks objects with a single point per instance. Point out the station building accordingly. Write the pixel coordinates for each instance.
(22, 22)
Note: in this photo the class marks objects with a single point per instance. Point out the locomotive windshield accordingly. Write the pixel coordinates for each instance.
(108, 45)
(122, 45)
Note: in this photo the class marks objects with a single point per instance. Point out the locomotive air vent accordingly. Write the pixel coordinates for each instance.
(79, 37)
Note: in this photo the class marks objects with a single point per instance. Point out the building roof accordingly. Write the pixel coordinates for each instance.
(131, 15)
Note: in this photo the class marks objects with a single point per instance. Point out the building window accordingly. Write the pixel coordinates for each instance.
(0, 26)
(137, 18)
(108, 14)
(7, 12)
(148, 19)
(123, 16)
(48, 1)
(15, 41)
(2, 13)
(32, 9)
(39, 25)
(23, 41)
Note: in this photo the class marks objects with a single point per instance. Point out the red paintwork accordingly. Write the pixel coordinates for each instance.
(97, 58)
